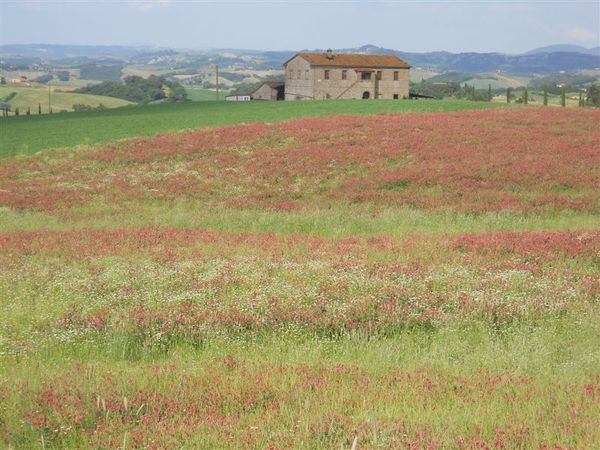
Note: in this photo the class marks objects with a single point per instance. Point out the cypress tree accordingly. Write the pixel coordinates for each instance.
(508, 94)
(545, 96)
(525, 96)
(563, 97)
(489, 93)
(28, 111)
(39, 108)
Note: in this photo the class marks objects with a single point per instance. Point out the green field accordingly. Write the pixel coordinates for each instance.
(25, 135)
(31, 97)
(202, 95)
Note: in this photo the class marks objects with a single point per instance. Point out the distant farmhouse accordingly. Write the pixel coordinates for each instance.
(336, 76)
(320, 76)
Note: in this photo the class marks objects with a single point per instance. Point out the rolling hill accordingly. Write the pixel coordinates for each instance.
(545, 60)
(31, 97)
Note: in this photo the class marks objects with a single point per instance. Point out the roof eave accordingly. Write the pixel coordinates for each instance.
(353, 66)
(295, 56)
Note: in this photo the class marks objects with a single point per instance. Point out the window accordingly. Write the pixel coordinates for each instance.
(327, 74)
(379, 74)
(344, 74)
(396, 75)
(396, 97)
(306, 75)
(365, 76)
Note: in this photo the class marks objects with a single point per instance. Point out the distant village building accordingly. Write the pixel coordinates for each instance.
(269, 90)
(238, 98)
(21, 79)
(344, 76)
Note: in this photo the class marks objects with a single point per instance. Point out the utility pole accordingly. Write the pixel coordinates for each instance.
(49, 98)
(217, 67)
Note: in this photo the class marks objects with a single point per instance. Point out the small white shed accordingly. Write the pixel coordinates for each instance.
(238, 98)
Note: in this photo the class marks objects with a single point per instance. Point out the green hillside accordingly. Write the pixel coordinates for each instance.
(31, 97)
(202, 95)
(29, 134)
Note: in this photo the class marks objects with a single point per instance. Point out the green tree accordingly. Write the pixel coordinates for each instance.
(43, 78)
(581, 100)
(39, 108)
(563, 97)
(593, 95)
(64, 75)
(545, 96)
(525, 96)
(2, 80)
(508, 94)
(490, 96)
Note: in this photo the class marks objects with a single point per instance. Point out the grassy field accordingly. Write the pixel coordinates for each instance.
(23, 135)
(202, 95)
(424, 280)
(31, 97)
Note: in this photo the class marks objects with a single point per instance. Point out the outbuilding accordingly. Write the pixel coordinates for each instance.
(238, 98)
(270, 90)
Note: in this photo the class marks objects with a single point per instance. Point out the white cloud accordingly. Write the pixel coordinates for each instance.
(149, 5)
(582, 35)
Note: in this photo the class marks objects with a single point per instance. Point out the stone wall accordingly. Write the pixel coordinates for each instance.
(354, 87)
(299, 80)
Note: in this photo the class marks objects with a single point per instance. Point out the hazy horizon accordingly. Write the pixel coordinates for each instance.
(511, 27)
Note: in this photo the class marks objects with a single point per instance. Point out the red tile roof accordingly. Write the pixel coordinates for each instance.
(354, 60)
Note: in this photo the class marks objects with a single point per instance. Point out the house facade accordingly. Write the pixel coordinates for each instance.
(345, 76)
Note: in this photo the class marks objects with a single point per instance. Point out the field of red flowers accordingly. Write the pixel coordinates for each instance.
(516, 160)
(156, 292)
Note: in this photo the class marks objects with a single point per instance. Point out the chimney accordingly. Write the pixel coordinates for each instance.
(329, 54)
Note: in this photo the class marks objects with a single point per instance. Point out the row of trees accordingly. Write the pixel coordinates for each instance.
(139, 90)
(591, 96)
(77, 108)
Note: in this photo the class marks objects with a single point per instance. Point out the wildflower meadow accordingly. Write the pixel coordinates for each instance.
(425, 280)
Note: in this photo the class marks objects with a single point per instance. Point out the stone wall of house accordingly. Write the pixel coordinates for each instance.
(299, 80)
(355, 87)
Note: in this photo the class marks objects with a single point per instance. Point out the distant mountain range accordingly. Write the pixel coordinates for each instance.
(540, 62)
(543, 60)
(565, 48)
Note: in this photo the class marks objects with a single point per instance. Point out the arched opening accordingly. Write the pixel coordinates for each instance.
(366, 95)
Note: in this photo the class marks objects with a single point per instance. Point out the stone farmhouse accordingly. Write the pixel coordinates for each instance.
(344, 76)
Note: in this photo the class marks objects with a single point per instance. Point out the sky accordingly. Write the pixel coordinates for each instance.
(415, 26)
